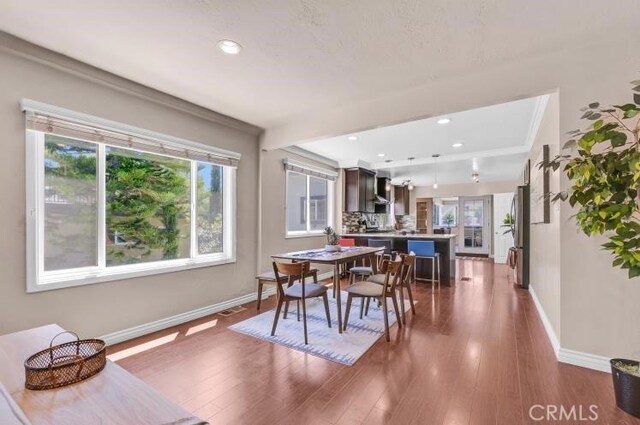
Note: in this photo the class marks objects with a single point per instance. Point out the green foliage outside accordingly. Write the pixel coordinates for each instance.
(449, 218)
(604, 168)
(147, 202)
(146, 195)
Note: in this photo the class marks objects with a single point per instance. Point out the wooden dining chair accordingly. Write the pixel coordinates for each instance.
(269, 278)
(406, 277)
(298, 292)
(368, 290)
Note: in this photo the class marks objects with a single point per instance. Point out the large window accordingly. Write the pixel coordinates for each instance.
(309, 204)
(100, 212)
(445, 214)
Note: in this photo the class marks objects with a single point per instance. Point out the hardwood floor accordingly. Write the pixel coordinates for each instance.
(475, 353)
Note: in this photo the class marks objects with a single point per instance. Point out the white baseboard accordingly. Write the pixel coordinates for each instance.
(158, 325)
(590, 361)
(551, 334)
(564, 355)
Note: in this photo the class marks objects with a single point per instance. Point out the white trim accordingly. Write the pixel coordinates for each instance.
(296, 150)
(551, 334)
(158, 325)
(536, 119)
(330, 207)
(91, 275)
(32, 106)
(38, 280)
(590, 361)
(564, 355)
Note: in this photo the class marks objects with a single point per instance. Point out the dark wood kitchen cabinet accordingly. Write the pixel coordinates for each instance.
(359, 190)
(401, 203)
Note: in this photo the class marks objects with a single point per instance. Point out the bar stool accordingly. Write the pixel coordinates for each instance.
(426, 250)
(387, 254)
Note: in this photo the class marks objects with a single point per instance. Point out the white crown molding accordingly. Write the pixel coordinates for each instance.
(24, 49)
(536, 119)
(178, 319)
(356, 163)
(296, 150)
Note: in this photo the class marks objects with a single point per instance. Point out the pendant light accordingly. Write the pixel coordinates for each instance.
(435, 161)
(411, 186)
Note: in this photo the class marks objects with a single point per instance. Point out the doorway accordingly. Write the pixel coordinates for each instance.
(475, 225)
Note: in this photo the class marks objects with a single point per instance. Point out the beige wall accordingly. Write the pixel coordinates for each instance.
(103, 308)
(545, 238)
(273, 193)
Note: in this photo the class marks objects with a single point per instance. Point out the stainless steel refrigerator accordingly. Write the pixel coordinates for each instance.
(522, 221)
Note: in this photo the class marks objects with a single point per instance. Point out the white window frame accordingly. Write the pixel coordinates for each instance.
(39, 280)
(308, 232)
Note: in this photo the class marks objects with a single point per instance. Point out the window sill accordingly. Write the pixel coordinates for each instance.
(304, 235)
(69, 280)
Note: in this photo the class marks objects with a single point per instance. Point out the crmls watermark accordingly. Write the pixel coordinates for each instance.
(557, 413)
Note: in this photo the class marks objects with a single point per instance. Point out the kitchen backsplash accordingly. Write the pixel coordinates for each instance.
(351, 222)
(405, 222)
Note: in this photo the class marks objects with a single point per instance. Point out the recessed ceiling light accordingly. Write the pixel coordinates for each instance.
(352, 138)
(230, 47)
(443, 121)
(457, 145)
(380, 155)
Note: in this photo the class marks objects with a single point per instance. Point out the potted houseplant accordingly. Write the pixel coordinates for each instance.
(626, 385)
(603, 164)
(509, 224)
(332, 240)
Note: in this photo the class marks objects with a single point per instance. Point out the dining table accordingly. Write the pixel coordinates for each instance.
(335, 258)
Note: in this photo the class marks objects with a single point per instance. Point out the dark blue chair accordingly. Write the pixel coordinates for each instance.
(426, 250)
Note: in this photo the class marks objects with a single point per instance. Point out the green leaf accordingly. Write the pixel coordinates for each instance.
(618, 139)
(597, 124)
(634, 272)
(631, 113)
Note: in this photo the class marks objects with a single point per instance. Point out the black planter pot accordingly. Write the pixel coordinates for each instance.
(626, 387)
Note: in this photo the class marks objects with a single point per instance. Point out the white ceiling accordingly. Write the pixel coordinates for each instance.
(496, 141)
(302, 56)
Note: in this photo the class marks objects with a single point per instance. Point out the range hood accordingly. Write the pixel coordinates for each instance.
(379, 200)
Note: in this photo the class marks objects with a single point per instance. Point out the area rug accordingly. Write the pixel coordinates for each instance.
(345, 348)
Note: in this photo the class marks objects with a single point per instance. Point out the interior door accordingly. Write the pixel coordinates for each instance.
(501, 241)
(475, 224)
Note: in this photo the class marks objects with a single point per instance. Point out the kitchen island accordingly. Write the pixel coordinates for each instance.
(445, 246)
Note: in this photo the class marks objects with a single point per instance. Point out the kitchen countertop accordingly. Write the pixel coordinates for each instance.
(400, 235)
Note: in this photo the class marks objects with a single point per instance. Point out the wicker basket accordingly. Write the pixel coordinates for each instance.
(64, 364)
